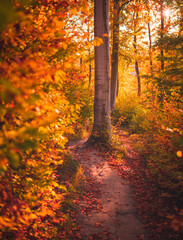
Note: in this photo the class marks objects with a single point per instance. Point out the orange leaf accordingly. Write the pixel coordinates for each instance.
(106, 35)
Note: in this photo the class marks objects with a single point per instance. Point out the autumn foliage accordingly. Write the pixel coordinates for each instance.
(41, 100)
(46, 99)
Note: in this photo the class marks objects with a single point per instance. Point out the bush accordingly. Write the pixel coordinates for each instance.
(126, 107)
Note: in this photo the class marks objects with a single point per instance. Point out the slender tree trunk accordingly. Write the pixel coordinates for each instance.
(150, 48)
(137, 68)
(89, 53)
(90, 72)
(115, 53)
(136, 61)
(102, 124)
(181, 19)
(162, 33)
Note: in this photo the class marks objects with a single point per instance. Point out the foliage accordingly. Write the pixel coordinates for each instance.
(159, 141)
(37, 114)
(126, 107)
(46, 99)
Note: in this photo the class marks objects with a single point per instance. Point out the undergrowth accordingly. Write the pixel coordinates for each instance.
(156, 132)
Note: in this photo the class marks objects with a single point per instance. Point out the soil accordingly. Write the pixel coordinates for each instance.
(108, 209)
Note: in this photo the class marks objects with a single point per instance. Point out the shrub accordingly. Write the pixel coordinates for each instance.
(125, 108)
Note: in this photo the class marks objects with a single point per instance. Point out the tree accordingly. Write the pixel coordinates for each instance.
(102, 123)
(136, 60)
(150, 47)
(115, 51)
(161, 34)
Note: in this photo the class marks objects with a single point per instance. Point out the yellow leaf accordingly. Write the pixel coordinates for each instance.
(59, 24)
(67, 65)
(64, 45)
(55, 206)
(74, 11)
(53, 193)
(24, 221)
(71, 108)
(106, 35)
(6, 222)
(59, 75)
(78, 107)
(55, 184)
(60, 162)
(3, 164)
(97, 42)
(32, 216)
(43, 130)
(43, 212)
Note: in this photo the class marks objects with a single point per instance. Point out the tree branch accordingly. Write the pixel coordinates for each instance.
(121, 7)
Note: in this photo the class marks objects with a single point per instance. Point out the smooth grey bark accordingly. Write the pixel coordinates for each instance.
(102, 124)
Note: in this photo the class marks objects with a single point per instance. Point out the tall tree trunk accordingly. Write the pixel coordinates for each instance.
(115, 53)
(89, 53)
(102, 124)
(181, 18)
(137, 68)
(90, 72)
(162, 33)
(150, 49)
(136, 61)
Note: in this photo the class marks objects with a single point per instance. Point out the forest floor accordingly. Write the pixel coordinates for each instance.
(120, 199)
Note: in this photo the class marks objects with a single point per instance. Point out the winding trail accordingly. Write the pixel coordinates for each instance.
(108, 209)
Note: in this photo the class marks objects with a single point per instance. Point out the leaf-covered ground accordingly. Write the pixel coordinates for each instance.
(120, 198)
(106, 209)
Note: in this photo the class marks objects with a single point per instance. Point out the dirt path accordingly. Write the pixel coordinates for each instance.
(108, 209)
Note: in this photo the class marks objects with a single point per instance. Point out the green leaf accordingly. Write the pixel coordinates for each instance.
(13, 158)
(8, 91)
(27, 144)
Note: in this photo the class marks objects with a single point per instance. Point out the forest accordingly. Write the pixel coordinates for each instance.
(105, 72)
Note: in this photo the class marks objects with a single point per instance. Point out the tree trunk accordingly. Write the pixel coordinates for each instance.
(150, 49)
(162, 33)
(136, 61)
(89, 53)
(81, 61)
(102, 123)
(90, 71)
(181, 19)
(115, 53)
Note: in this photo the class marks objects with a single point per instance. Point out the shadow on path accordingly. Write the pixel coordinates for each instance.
(113, 215)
